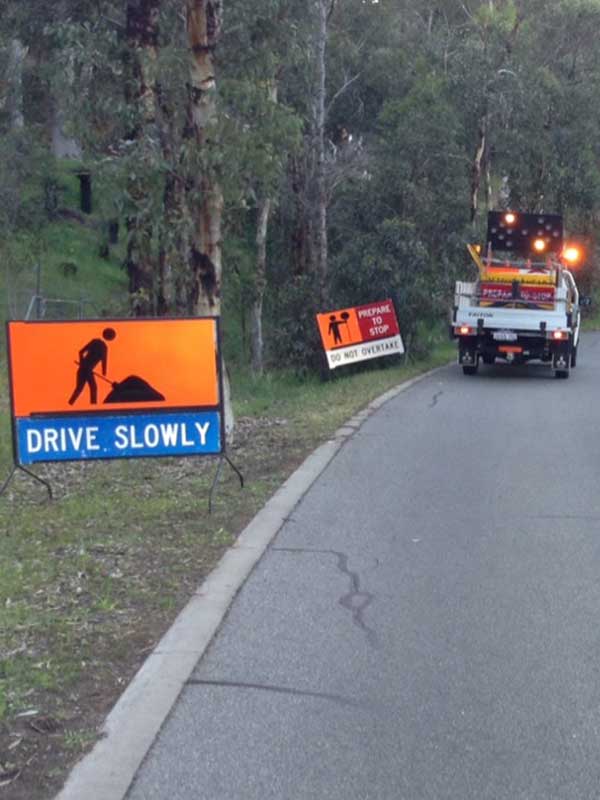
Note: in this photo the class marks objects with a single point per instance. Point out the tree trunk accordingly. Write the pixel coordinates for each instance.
(300, 235)
(203, 22)
(142, 33)
(260, 284)
(204, 30)
(172, 248)
(260, 277)
(478, 162)
(140, 268)
(174, 242)
(319, 114)
(14, 78)
(63, 146)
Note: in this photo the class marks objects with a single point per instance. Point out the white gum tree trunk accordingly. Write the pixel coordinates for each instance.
(204, 24)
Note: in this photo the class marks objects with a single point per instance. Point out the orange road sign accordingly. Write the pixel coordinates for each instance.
(358, 324)
(113, 365)
(339, 328)
(360, 333)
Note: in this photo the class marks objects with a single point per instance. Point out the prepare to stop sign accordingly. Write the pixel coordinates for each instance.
(356, 334)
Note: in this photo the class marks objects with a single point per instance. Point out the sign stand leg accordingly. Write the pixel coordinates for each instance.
(224, 457)
(31, 475)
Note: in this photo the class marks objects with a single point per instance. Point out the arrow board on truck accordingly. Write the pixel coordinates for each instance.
(516, 232)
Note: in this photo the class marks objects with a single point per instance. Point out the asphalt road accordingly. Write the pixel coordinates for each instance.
(426, 625)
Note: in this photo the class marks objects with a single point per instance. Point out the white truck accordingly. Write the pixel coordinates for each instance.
(524, 304)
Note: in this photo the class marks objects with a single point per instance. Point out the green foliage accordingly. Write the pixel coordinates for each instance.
(27, 173)
(496, 20)
(393, 262)
(260, 132)
(237, 288)
(411, 89)
(292, 329)
(422, 167)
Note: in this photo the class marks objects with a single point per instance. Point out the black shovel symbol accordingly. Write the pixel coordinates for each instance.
(132, 389)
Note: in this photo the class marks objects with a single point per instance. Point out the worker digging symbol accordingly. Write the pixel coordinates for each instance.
(131, 390)
(90, 355)
(335, 325)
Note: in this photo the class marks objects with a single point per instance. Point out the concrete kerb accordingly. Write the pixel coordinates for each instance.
(107, 772)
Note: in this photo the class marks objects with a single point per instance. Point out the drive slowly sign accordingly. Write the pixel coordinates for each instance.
(360, 333)
(115, 389)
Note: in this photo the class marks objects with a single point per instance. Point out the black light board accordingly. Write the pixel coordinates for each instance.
(518, 235)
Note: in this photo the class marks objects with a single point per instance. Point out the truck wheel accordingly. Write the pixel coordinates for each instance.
(561, 373)
(469, 370)
(574, 357)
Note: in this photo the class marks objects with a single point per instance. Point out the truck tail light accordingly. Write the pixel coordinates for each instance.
(464, 330)
(560, 336)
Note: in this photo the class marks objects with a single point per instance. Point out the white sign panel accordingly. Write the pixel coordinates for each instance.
(342, 356)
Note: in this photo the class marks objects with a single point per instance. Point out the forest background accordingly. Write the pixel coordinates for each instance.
(281, 157)
(262, 160)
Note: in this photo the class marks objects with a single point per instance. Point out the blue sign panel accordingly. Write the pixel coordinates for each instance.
(73, 438)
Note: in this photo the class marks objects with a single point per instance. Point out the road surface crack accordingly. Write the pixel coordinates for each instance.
(435, 398)
(334, 698)
(356, 601)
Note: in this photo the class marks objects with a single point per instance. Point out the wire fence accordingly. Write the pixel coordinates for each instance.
(31, 303)
(51, 308)
(39, 307)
